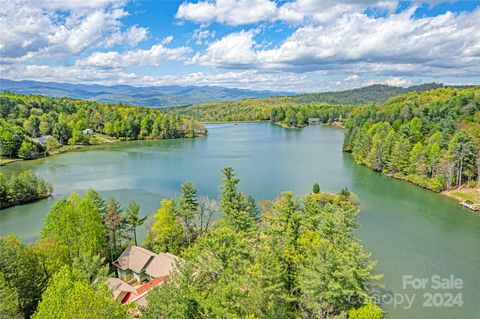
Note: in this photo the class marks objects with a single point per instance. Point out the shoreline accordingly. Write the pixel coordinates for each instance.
(72, 148)
(450, 194)
(46, 196)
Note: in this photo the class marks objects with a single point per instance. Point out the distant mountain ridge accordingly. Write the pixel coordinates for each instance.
(153, 96)
(376, 93)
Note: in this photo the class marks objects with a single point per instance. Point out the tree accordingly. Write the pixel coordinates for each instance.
(61, 132)
(207, 210)
(9, 307)
(296, 262)
(187, 210)
(316, 188)
(91, 268)
(96, 199)
(132, 219)
(238, 213)
(76, 225)
(399, 160)
(166, 234)
(337, 260)
(367, 311)
(113, 220)
(174, 298)
(462, 152)
(68, 296)
(21, 271)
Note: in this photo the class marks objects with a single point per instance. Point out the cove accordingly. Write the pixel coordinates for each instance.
(410, 231)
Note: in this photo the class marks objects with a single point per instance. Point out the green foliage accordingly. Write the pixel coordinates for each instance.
(24, 118)
(299, 260)
(76, 226)
(22, 188)
(187, 210)
(68, 296)
(113, 221)
(327, 106)
(316, 188)
(239, 211)
(166, 234)
(8, 300)
(431, 139)
(367, 311)
(22, 274)
(132, 219)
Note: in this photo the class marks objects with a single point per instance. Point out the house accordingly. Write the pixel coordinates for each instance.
(88, 131)
(42, 140)
(139, 270)
(139, 264)
(313, 120)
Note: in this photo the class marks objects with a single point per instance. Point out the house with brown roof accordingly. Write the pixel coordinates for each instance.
(139, 264)
(139, 270)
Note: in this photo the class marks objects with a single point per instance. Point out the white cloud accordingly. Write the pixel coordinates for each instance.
(238, 12)
(241, 12)
(232, 12)
(352, 77)
(250, 79)
(202, 36)
(446, 43)
(153, 56)
(397, 81)
(233, 50)
(39, 29)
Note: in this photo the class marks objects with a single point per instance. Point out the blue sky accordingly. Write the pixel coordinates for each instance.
(281, 45)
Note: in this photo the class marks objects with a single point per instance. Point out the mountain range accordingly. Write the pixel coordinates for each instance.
(153, 96)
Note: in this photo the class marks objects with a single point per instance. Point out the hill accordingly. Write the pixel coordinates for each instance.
(375, 93)
(153, 96)
(260, 108)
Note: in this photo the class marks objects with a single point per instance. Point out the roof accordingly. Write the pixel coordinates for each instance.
(134, 258)
(139, 259)
(161, 265)
(117, 286)
(42, 139)
(141, 292)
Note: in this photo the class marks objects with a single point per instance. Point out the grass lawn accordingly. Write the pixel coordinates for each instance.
(471, 194)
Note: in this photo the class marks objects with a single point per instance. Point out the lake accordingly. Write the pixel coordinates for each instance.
(409, 230)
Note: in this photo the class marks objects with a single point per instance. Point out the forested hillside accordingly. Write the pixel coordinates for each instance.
(32, 126)
(260, 109)
(431, 139)
(376, 93)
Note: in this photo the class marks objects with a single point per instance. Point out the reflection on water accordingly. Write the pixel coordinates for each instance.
(408, 229)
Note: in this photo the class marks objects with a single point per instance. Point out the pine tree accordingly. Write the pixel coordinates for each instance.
(187, 210)
(238, 213)
(113, 220)
(132, 218)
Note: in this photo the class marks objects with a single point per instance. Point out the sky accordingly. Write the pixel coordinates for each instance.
(279, 45)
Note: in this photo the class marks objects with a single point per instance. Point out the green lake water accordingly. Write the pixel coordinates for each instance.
(409, 230)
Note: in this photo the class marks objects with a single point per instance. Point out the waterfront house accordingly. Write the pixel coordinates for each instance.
(139, 270)
(88, 131)
(42, 140)
(313, 120)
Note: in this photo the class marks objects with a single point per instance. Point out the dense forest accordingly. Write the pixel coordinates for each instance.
(260, 109)
(376, 93)
(238, 260)
(22, 188)
(431, 139)
(283, 109)
(33, 126)
(290, 258)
